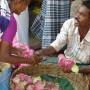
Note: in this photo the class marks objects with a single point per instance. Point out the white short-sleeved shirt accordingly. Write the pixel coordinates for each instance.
(69, 34)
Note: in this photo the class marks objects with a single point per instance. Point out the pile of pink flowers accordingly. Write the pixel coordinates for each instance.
(25, 82)
(26, 52)
(67, 64)
(20, 81)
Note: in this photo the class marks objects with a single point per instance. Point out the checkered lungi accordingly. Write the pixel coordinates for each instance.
(48, 23)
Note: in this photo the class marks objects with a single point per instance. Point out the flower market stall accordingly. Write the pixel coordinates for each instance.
(47, 77)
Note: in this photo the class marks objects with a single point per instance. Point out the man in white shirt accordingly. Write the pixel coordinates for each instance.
(75, 33)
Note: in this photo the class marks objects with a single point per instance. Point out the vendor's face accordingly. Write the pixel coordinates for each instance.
(82, 17)
(19, 7)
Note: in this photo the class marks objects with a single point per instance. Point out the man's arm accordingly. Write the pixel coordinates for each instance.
(85, 70)
(58, 44)
(16, 51)
(46, 52)
(7, 57)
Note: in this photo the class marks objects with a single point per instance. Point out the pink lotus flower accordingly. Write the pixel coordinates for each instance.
(17, 88)
(26, 52)
(39, 85)
(65, 63)
(22, 77)
(21, 81)
(30, 87)
(61, 60)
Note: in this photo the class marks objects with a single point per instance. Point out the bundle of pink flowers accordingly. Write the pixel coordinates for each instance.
(25, 82)
(20, 81)
(25, 52)
(66, 64)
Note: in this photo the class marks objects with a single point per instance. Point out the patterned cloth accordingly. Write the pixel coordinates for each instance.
(10, 31)
(4, 15)
(7, 22)
(48, 23)
(38, 24)
(4, 9)
(78, 51)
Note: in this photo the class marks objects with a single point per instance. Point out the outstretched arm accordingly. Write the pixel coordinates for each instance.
(6, 47)
(58, 44)
(6, 56)
(46, 52)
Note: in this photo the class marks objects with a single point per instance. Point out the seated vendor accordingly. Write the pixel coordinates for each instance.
(75, 33)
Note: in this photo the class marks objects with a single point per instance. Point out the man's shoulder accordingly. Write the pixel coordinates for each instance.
(69, 20)
(69, 23)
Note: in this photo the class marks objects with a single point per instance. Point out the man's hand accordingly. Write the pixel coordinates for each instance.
(49, 51)
(35, 59)
(17, 51)
(39, 53)
(38, 58)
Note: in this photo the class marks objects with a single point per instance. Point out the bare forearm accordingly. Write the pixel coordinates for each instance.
(14, 59)
(8, 57)
(48, 51)
(14, 50)
(84, 70)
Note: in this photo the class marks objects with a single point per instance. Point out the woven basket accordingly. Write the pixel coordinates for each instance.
(77, 80)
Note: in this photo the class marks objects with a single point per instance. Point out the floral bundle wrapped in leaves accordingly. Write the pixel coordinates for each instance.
(67, 64)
